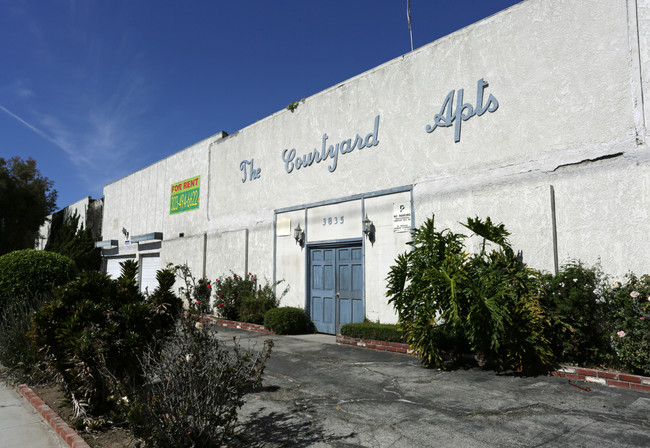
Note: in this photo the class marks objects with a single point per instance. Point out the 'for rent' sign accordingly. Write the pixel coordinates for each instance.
(185, 195)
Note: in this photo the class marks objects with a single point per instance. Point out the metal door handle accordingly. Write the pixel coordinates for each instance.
(337, 295)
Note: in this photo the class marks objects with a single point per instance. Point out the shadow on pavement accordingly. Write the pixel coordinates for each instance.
(283, 429)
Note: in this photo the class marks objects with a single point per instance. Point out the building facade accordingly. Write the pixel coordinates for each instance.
(534, 117)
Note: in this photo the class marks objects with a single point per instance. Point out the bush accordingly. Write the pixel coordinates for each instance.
(630, 323)
(31, 272)
(95, 331)
(231, 291)
(488, 301)
(241, 298)
(195, 389)
(371, 330)
(253, 308)
(288, 320)
(578, 328)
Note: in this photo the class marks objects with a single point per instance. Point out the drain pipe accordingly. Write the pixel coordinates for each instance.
(554, 226)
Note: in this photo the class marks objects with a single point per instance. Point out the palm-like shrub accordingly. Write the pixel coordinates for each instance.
(487, 302)
(94, 332)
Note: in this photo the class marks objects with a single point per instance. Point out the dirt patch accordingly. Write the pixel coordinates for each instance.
(111, 437)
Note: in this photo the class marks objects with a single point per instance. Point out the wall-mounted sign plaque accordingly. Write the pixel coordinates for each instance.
(401, 217)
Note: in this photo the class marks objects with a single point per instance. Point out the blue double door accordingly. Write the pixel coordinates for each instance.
(335, 287)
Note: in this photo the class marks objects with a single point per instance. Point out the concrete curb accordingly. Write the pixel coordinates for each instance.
(67, 434)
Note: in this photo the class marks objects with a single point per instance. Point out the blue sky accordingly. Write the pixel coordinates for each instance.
(96, 89)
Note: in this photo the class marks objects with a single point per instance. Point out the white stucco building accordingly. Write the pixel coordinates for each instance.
(534, 116)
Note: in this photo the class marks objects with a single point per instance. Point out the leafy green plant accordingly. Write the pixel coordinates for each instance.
(195, 388)
(30, 272)
(288, 320)
(372, 330)
(241, 298)
(253, 308)
(630, 322)
(578, 328)
(487, 301)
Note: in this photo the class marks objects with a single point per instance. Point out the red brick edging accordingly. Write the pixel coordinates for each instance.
(373, 344)
(602, 377)
(234, 324)
(66, 433)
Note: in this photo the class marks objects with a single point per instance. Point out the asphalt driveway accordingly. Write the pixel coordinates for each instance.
(319, 394)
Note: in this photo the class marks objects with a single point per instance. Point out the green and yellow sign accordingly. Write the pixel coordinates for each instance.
(185, 195)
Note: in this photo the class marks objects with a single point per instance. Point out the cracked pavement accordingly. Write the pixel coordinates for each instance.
(319, 394)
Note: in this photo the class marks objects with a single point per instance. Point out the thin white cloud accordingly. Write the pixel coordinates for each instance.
(20, 88)
(35, 130)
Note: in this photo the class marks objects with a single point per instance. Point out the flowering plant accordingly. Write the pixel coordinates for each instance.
(577, 313)
(630, 311)
(230, 291)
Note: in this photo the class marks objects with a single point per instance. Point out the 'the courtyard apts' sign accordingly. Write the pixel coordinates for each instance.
(185, 195)
(449, 115)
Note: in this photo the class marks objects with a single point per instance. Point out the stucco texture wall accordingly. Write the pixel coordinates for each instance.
(570, 78)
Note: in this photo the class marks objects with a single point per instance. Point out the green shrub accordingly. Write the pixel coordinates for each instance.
(371, 330)
(488, 301)
(241, 298)
(253, 308)
(630, 323)
(30, 272)
(197, 385)
(95, 331)
(288, 320)
(578, 328)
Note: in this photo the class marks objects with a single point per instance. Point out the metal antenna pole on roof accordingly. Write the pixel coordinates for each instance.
(408, 16)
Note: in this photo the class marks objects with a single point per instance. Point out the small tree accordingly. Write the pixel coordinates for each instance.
(26, 198)
(71, 239)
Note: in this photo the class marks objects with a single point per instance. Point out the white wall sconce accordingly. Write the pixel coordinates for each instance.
(299, 235)
(368, 229)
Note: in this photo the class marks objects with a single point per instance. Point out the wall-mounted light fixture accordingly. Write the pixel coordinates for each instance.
(126, 233)
(368, 229)
(299, 235)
